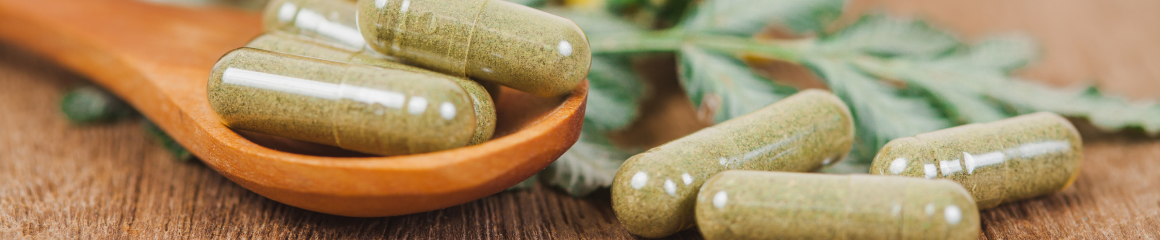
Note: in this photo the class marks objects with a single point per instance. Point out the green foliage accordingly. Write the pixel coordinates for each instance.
(89, 104)
(882, 112)
(587, 166)
(179, 153)
(92, 105)
(614, 94)
(883, 36)
(746, 17)
(725, 85)
(615, 90)
(899, 76)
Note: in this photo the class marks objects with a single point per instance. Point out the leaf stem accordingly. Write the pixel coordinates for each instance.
(671, 40)
(636, 42)
(738, 46)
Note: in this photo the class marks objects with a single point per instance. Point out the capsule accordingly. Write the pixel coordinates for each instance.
(356, 107)
(280, 19)
(490, 40)
(481, 96)
(653, 192)
(331, 20)
(782, 205)
(998, 162)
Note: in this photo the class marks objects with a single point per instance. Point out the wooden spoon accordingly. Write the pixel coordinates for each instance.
(158, 59)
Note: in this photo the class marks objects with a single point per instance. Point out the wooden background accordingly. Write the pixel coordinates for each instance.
(112, 181)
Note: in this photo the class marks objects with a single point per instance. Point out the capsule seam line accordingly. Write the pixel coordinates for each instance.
(471, 36)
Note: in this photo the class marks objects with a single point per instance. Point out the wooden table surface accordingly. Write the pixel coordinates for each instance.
(112, 181)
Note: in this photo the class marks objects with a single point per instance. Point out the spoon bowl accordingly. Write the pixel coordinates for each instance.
(158, 58)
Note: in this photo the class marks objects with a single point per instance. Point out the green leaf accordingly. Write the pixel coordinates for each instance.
(613, 98)
(951, 93)
(589, 165)
(89, 104)
(595, 23)
(614, 93)
(746, 17)
(1110, 113)
(526, 184)
(1004, 53)
(725, 85)
(881, 112)
(884, 36)
(179, 153)
(530, 3)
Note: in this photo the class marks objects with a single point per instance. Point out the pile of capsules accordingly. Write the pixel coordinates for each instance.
(734, 180)
(393, 77)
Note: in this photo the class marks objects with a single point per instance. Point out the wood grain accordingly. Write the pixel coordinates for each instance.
(111, 181)
(157, 58)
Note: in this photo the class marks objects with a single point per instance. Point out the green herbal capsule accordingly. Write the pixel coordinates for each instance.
(780, 205)
(491, 40)
(998, 162)
(653, 192)
(331, 20)
(357, 107)
(293, 44)
(338, 30)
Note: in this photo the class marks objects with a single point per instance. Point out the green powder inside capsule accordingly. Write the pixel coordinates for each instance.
(998, 162)
(763, 205)
(361, 108)
(293, 44)
(489, 40)
(653, 192)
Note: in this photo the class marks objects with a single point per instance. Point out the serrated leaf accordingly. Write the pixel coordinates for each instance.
(722, 82)
(589, 165)
(746, 17)
(1109, 113)
(881, 112)
(614, 93)
(1004, 53)
(89, 104)
(884, 36)
(960, 103)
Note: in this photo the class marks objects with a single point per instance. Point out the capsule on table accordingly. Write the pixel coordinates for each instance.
(490, 40)
(998, 162)
(653, 192)
(332, 20)
(356, 107)
(481, 98)
(782, 205)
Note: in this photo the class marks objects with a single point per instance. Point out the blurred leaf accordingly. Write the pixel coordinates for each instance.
(1004, 53)
(884, 36)
(613, 98)
(746, 17)
(882, 112)
(90, 104)
(526, 184)
(594, 23)
(179, 153)
(615, 90)
(960, 103)
(725, 85)
(530, 3)
(587, 166)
